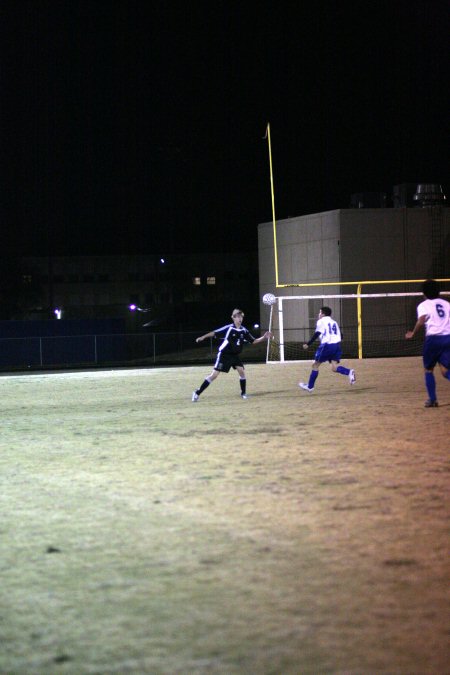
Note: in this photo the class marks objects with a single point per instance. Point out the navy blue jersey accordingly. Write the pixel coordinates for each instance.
(233, 339)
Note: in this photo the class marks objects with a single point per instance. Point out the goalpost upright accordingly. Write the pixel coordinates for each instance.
(272, 192)
(360, 287)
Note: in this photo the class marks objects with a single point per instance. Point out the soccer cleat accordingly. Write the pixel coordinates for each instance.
(304, 386)
(431, 404)
(352, 377)
(194, 396)
(244, 396)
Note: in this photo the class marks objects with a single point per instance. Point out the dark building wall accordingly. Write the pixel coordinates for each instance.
(19, 329)
(407, 243)
(181, 291)
(372, 244)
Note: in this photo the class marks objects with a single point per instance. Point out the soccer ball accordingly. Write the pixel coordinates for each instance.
(269, 299)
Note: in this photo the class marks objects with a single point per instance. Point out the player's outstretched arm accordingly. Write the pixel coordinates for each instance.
(205, 336)
(267, 335)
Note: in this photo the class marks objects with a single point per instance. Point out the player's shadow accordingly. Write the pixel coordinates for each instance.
(269, 392)
(340, 392)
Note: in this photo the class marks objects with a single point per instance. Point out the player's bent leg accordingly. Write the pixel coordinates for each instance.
(342, 370)
(444, 371)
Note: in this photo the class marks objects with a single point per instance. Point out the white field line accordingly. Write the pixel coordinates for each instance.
(81, 375)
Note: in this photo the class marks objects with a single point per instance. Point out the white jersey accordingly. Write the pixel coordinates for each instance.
(437, 312)
(329, 330)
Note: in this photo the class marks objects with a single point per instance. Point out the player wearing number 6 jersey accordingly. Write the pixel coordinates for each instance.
(434, 314)
(329, 333)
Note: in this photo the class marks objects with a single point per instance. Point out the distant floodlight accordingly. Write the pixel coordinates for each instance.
(256, 325)
(58, 313)
(162, 260)
(135, 308)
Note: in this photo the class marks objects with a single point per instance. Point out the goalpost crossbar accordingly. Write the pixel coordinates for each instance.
(343, 296)
(386, 319)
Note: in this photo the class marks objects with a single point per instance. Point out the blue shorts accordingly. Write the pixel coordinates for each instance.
(328, 352)
(436, 349)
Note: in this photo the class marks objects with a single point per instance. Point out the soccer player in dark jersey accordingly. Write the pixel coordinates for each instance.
(233, 337)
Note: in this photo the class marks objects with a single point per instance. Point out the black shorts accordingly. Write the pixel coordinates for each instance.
(225, 361)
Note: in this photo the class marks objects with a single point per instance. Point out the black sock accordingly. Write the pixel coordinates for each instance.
(205, 384)
(243, 383)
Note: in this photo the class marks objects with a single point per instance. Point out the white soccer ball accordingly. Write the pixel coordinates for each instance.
(269, 299)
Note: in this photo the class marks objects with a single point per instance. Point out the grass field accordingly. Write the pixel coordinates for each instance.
(286, 534)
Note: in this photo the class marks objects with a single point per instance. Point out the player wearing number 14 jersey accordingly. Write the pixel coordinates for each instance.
(329, 333)
(434, 314)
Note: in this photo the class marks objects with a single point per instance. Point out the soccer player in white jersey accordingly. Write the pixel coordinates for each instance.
(434, 314)
(330, 350)
(233, 336)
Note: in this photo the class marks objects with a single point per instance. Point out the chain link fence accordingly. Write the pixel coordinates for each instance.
(131, 349)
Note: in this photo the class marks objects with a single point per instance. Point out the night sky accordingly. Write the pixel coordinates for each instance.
(137, 126)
